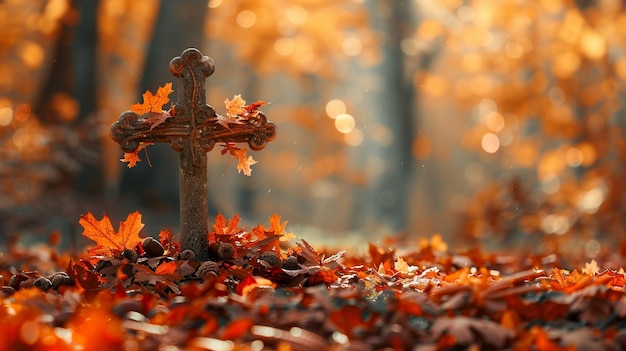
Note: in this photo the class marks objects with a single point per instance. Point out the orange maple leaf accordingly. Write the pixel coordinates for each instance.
(132, 158)
(104, 235)
(167, 268)
(276, 226)
(276, 230)
(220, 226)
(153, 103)
(244, 162)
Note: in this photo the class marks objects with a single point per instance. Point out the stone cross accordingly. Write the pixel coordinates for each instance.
(192, 131)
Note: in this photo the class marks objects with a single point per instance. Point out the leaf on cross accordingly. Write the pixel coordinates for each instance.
(244, 162)
(133, 157)
(254, 107)
(155, 118)
(153, 103)
(108, 241)
(226, 121)
(236, 106)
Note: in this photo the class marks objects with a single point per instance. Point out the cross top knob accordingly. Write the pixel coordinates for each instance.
(193, 130)
(192, 68)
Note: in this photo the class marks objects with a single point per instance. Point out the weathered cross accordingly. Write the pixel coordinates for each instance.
(193, 131)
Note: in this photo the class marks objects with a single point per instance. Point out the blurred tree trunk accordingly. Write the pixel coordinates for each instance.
(403, 127)
(125, 28)
(385, 205)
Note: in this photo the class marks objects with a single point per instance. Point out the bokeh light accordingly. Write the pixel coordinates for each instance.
(490, 143)
(246, 19)
(284, 46)
(344, 123)
(354, 137)
(335, 107)
(351, 46)
(297, 14)
(6, 116)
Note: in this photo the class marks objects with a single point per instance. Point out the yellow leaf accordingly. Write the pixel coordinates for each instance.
(245, 162)
(401, 266)
(236, 106)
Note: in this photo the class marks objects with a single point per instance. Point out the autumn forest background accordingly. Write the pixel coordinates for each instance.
(499, 126)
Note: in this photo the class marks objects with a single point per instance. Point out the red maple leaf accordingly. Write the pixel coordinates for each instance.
(255, 106)
(104, 235)
(85, 277)
(166, 239)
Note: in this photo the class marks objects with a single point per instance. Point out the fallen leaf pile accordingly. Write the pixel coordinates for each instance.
(265, 290)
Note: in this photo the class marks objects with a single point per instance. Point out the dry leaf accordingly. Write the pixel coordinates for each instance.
(108, 241)
(236, 106)
(153, 103)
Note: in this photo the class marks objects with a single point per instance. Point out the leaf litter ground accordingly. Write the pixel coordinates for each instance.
(264, 289)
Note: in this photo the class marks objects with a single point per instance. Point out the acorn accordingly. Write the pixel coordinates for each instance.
(43, 283)
(7, 290)
(207, 267)
(271, 258)
(128, 305)
(61, 278)
(291, 263)
(130, 255)
(102, 264)
(16, 281)
(223, 251)
(152, 247)
(187, 254)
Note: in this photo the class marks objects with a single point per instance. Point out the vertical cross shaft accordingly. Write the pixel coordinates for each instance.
(192, 131)
(192, 68)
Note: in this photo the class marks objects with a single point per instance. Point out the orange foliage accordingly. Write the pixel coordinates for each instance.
(153, 103)
(300, 296)
(107, 240)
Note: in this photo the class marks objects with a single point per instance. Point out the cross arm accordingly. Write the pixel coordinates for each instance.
(131, 129)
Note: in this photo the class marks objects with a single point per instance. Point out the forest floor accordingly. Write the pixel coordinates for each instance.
(265, 288)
